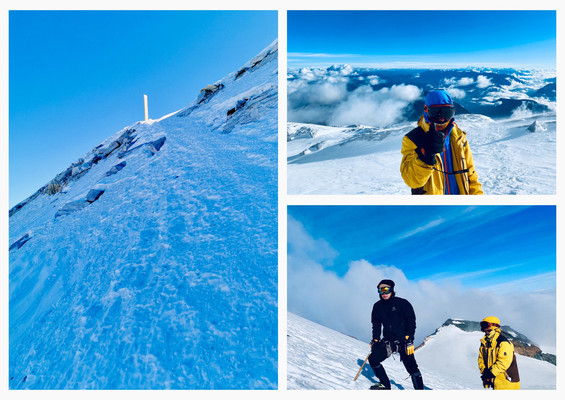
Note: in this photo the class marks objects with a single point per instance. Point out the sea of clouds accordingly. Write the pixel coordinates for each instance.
(322, 96)
(343, 95)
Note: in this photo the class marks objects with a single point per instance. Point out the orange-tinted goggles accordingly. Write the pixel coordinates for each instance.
(385, 290)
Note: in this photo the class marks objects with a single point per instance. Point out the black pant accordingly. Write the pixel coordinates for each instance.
(382, 350)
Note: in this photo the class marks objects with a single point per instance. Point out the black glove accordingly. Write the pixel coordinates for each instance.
(373, 344)
(488, 378)
(432, 143)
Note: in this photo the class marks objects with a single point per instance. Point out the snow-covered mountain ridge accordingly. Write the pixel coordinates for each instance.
(151, 262)
(320, 358)
(522, 345)
(512, 156)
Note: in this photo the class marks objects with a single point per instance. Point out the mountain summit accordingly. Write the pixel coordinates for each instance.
(151, 262)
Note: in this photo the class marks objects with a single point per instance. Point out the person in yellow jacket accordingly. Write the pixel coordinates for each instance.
(436, 158)
(497, 361)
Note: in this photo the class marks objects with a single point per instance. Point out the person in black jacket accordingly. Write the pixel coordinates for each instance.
(395, 317)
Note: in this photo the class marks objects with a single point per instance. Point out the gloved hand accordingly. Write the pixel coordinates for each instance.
(432, 143)
(488, 378)
(373, 344)
(409, 346)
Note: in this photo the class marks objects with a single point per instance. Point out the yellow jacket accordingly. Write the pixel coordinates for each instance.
(497, 355)
(418, 174)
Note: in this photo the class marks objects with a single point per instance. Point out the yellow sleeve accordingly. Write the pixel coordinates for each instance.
(414, 171)
(504, 358)
(474, 186)
(482, 365)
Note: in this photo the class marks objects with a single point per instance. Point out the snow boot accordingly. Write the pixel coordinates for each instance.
(379, 386)
(417, 381)
(381, 375)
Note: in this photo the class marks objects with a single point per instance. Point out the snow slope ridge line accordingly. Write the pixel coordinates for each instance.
(162, 272)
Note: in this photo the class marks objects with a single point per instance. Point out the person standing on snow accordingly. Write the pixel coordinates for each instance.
(436, 158)
(396, 317)
(497, 361)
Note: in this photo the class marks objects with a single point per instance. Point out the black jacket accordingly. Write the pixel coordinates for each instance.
(397, 318)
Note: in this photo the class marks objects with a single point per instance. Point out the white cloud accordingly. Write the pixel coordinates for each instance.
(449, 81)
(456, 93)
(343, 70)
(321, 96)
(465, 81)
(483, 81)
(521, 112)
(375, 108)
(374, 80)
(304, 246)
(424, 228)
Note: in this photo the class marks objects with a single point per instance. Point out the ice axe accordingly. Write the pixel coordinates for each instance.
(364, 362)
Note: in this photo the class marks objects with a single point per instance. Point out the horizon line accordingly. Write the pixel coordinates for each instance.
(415, 65)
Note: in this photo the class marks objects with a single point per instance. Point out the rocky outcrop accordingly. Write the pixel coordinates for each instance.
(536, 126)
(76, 205)
(116, 168)
(20, 242)
(81, 166)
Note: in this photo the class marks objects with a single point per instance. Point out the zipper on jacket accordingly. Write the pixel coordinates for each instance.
(445, 177)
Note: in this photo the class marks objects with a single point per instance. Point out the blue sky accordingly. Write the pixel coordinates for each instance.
(78, 77)
(448, 261)
(483, 246)
(422, 38)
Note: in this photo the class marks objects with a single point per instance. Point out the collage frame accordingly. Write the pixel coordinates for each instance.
(286, 200)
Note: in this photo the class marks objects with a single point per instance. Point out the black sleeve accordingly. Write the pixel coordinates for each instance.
(410, 320)
(376, 321)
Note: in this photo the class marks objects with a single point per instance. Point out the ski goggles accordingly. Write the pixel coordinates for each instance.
(385, 290)
(488, 325)
(441, 113)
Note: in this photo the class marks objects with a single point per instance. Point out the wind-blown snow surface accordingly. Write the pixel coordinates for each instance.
(321, 358)
(169, 279)
(347, 127)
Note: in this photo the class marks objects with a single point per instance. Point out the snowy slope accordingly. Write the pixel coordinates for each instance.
(155, 265)
(321, 358)
(509, 157)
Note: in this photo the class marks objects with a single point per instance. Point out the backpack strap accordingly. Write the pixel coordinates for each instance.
(415, 135)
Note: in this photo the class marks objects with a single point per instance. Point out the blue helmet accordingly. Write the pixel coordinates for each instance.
(439, 107)
(438, 97)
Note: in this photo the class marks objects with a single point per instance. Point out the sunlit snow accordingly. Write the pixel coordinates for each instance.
(322, 359)
(164, 276)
